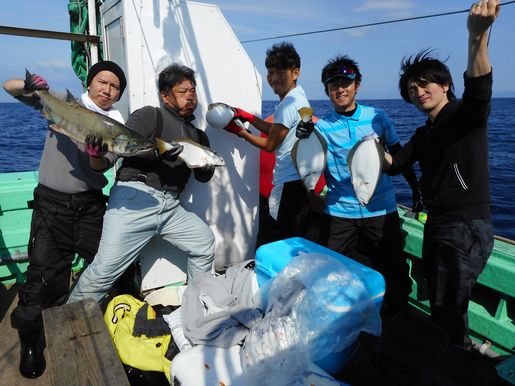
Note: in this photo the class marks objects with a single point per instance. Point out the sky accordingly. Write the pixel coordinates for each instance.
(377, 49)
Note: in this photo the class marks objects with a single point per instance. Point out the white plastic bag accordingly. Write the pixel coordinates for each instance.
(316, 306)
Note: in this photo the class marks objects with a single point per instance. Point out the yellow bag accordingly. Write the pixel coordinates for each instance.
(125, 316)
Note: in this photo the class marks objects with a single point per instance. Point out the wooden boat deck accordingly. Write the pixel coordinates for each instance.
(10, 345)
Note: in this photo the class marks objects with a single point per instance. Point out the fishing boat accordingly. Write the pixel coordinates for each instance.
(143, 38)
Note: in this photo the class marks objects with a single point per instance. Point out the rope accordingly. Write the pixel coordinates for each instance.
(366, 25)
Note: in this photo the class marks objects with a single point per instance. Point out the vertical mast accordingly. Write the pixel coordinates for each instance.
(92, 24)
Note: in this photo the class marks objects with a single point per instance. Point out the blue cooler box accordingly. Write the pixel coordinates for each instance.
(273, 257)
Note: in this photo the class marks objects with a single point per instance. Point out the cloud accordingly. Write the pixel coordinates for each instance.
(357, 33)
(54, 64)
(285, 11)
(392, 5)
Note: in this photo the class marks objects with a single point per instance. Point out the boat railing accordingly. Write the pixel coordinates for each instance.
(492, 306)
(491, 310)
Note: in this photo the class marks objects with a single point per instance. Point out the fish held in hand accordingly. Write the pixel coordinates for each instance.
(193, 154)
(77, 122)
(309, 158)
(365, 162)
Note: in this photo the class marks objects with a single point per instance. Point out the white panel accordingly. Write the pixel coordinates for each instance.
(162, 264)
(114, 47)
(160, 32)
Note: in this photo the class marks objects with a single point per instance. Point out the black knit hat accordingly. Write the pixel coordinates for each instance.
(107, 65)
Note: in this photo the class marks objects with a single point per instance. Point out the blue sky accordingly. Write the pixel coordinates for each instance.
(377, 49)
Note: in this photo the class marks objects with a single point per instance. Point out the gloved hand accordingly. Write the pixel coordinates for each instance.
(94, 146)
(304, 129)
(36, 82)
(205, 173)
(418, 205)
(243, 116)
(172, 154)
(207, 169)
(235, 127)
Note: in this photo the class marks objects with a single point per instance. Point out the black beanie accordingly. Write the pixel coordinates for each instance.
(107, 65)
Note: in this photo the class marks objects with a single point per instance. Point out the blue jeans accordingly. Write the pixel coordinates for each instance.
(135, 214)
(454, 254)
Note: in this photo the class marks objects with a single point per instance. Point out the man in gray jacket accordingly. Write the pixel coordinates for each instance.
(68, 208)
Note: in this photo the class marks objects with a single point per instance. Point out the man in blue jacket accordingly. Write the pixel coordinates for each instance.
(369, 233)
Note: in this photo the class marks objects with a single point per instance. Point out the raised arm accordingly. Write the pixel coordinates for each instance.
(481, 16)
(19, 89)
(14, 87)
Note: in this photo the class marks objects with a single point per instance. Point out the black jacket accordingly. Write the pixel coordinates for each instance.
(167, 124)
(452, 153)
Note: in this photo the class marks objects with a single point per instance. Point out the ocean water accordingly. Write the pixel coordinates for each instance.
(23, 133)
(407, 118)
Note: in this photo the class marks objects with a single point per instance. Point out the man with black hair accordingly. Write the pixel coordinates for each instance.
(368, 233)
(452, 151)
(144, 200)
(288, 205)
(68, 208)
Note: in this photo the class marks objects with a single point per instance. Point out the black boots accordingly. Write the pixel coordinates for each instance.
(32, 360)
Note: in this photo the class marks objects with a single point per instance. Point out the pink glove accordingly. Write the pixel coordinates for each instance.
(244, 116)
(94, 147)
(38, 82)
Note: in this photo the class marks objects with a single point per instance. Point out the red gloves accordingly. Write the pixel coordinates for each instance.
(244, 116)
(235, 127)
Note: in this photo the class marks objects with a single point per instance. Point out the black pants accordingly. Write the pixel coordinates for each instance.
(454, 254)
(377, 243)
(291, 218)
(62, 225)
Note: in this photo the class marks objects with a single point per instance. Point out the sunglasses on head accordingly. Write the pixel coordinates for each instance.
(344, 71)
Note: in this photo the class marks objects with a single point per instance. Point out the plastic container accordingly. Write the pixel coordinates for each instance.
(208, 366)
(273, 257)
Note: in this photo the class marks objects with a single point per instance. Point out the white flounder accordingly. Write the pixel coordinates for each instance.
(365, 162)
(309, 157)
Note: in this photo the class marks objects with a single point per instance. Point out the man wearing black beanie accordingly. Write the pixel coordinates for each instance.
(68, 209)
(107, 65)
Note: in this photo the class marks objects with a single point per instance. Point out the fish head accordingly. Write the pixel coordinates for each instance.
(125, 146)
(219, 115)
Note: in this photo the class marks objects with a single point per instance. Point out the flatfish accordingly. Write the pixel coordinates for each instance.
(365, 162)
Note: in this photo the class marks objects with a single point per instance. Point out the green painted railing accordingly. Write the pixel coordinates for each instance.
(491, 311)
(16, 189)
(492, 308)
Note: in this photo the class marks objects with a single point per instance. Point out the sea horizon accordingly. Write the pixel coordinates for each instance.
(23, 131)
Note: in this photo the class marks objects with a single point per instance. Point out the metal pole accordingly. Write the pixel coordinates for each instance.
(38, 33)
(92, 23)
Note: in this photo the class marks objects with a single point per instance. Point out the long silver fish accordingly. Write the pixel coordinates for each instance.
(365, 162)
(76, 122)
